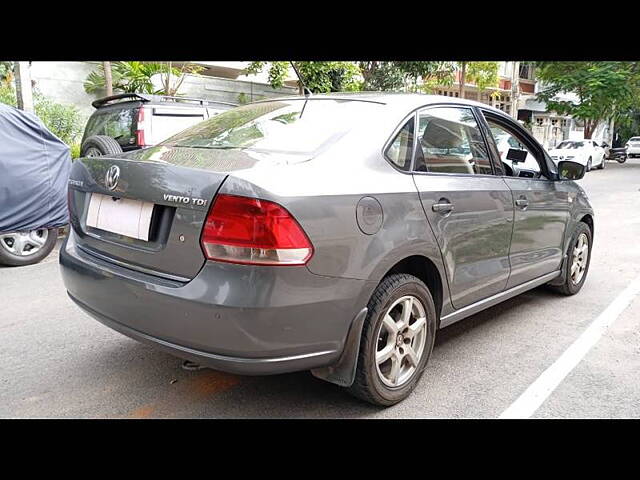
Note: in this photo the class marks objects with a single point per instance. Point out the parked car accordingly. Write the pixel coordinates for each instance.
(633, 147)
(131, 121)
(618, 154)
(34, 171)
(334, 234)
(585, 152)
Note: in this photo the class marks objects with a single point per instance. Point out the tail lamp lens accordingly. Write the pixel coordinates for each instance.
(252, 231)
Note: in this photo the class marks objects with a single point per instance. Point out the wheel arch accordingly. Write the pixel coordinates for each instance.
(426, 270)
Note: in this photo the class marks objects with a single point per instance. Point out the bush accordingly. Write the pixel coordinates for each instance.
(63, 120)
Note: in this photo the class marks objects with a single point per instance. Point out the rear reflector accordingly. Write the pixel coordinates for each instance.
(251, 231)
(140, 128)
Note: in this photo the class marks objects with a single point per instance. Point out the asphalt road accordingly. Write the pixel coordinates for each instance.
(57, 362)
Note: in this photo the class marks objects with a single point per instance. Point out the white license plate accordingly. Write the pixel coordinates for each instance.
(131, 218)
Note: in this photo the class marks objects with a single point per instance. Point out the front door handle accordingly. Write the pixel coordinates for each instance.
(522, 202)
(443, 206)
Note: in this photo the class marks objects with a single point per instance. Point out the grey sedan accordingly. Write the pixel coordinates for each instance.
(332, 233)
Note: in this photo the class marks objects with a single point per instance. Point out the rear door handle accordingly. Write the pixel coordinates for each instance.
(443, 206)
(522, 202)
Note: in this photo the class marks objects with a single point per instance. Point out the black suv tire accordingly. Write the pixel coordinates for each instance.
(98, 145)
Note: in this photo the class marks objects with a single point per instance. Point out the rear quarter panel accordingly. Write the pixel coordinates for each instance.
(323, 194)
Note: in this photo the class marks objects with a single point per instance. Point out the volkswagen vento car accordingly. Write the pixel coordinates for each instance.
(335, 233)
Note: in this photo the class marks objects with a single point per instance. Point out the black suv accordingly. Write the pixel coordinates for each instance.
(130, 121)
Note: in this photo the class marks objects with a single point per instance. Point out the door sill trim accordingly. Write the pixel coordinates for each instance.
(495, 299)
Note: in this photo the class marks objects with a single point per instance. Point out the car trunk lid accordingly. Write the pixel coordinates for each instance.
(176, 199)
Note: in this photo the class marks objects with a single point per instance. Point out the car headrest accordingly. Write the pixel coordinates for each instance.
(444, 134)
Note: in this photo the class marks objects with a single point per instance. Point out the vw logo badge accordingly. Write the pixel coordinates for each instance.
(112, 176)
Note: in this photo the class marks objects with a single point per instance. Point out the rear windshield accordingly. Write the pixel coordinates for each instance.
(288, 126)
(118, 123)
(634, 139)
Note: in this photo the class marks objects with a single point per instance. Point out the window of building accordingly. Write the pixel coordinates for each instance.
(525, 71)
(449, 141)
(400, 149)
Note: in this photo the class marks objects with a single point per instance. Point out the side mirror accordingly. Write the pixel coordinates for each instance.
(568, 170)
(516, 155)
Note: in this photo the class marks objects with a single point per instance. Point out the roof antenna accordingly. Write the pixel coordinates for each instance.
(305, 89)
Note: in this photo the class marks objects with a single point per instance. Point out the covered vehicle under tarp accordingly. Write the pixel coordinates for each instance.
(34, 171)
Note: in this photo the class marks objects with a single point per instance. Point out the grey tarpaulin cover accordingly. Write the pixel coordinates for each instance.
(34, 171)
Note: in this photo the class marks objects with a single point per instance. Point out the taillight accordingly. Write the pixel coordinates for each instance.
(140, 128)
(252, 231)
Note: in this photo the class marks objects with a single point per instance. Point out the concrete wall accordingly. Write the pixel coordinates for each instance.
(63, 82)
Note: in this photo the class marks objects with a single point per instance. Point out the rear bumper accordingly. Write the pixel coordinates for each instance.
(633, 151)
(234, 318)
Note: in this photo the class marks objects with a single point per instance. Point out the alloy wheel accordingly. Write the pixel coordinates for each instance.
(24, 244)
(402, 336)
(580, 258)
(93, 152)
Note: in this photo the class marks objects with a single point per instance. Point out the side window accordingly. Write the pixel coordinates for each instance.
(449, 141)
(400, 149)
(506, 140)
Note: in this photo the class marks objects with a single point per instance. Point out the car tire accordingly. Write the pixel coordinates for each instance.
(589, 165)
(10, 257)
(572, 285)
(395, 295)
(601, 167)
(98, 145)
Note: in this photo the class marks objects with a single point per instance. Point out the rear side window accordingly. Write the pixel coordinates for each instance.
(115, 123)
(449, 141)
(400, 150)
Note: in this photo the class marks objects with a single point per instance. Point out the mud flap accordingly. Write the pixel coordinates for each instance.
(343, 372)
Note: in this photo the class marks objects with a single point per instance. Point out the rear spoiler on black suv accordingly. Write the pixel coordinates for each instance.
(143, 97)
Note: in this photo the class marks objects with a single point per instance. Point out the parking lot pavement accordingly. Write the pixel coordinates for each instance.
(57, 362)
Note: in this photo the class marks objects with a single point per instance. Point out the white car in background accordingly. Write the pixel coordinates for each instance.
(633, 147)
(586, 152)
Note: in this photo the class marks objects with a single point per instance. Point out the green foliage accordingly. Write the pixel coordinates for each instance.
(405, 75)
(129, 77)
(319, 77)
(63, 120)
(6, 72)
(605, 90)
(483, 74)
(7, 95)
(75, 150)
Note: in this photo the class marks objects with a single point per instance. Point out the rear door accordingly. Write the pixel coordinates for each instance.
(469, 209)
(541, 207)
(169, 120)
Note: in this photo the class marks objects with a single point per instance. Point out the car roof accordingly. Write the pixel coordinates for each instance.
(399, 100)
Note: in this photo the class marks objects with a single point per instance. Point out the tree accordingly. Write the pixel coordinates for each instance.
(482, 74)
(108, 78)
(172, 77)
(135, 77)
(406, 75)
(319, 77)
(604, 90)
